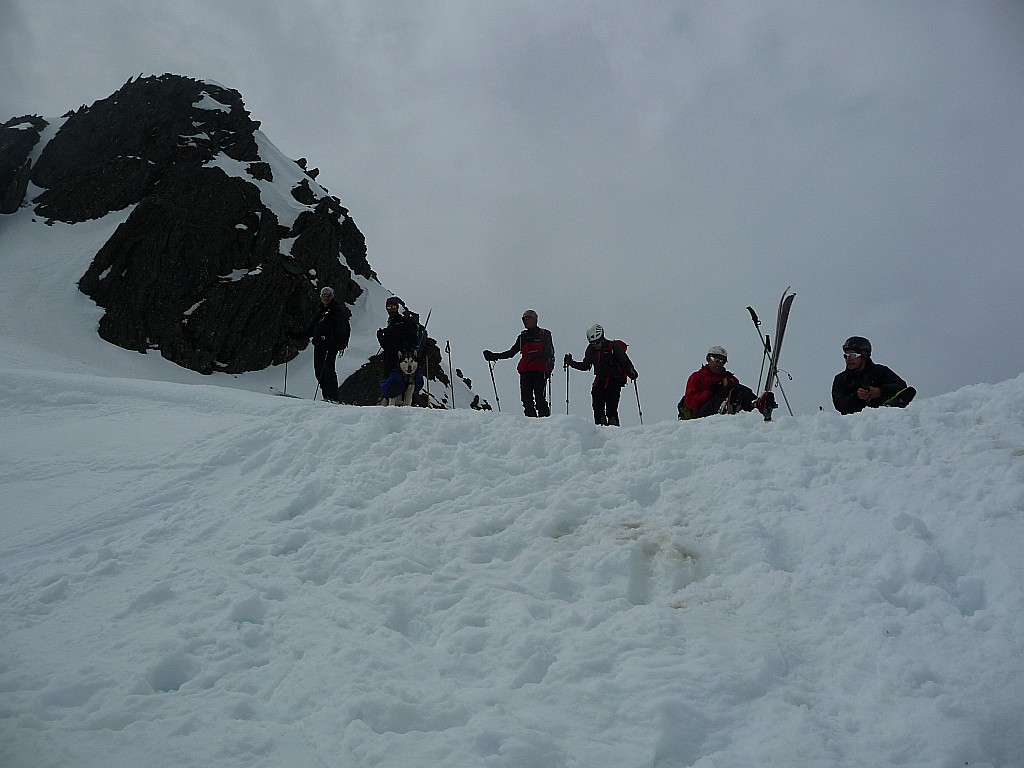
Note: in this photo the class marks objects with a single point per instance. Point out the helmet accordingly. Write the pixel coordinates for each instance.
(718, 351)
(858, 344)
(393, 301)
(595, 332)
(327, 291)
(529, 313)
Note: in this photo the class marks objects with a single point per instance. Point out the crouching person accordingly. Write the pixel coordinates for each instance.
(713, 389)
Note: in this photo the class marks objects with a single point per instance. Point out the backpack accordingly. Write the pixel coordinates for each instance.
(614, 370)
(420, 331)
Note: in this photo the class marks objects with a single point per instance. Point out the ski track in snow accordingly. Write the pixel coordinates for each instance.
(192, 575)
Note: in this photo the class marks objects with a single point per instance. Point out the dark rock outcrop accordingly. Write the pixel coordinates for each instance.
(112, 154)
(203, 269)
(17, 139)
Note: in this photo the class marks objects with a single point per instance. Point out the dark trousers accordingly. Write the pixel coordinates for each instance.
(606, 402)
(323, 368)
(531, 386)
(740, 397)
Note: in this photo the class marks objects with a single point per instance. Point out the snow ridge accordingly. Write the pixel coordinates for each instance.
(194, 574)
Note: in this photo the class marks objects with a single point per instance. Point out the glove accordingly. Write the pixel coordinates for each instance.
(489, 356)
(634, 375)
(766, 401)
(567, 360)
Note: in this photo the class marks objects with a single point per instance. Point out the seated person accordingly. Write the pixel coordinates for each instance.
(713, 389)
(865, 383)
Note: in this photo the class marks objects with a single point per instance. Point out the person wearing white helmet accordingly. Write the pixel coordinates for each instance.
(713, 389)
(611, 367)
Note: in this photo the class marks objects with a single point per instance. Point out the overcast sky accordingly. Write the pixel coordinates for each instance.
(652, 166)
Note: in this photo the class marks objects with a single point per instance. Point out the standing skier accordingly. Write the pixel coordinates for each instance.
(535, 365)
(865, 383)
(713, 389)
(611, 366)
(330, 331)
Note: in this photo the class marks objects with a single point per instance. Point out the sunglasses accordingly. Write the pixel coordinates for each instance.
(852, 355)
(718, 358)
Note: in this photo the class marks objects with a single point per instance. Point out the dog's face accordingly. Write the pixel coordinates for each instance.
(408, 365)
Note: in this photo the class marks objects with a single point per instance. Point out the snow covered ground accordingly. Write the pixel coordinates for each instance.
(196, 573)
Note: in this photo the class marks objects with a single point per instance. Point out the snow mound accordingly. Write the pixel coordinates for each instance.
(195, 575)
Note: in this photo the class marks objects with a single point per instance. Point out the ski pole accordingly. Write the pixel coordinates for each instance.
(638, 408)
(451, 376)
(567, 389)
(285, 377)
(778, 383)
(497, 400)
(766, 345)
(317, 372)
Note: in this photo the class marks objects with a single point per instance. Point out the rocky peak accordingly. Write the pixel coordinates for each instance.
(210, 268)
(220, 261)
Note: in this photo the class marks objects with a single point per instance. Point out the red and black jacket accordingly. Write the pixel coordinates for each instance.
(537, 348)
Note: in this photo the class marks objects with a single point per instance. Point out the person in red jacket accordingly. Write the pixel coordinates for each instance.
(535, 365)
(713, 389)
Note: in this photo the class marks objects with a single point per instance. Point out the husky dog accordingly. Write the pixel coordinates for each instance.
(402, 384)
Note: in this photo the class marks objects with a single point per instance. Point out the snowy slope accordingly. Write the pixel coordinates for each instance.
(193, 575)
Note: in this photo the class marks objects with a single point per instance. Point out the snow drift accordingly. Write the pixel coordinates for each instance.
(195, 575)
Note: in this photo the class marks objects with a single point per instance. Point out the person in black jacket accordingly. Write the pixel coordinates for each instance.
(611, 366)
(330, 331)
(398, 336)
(535, 366)
(866, 384)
